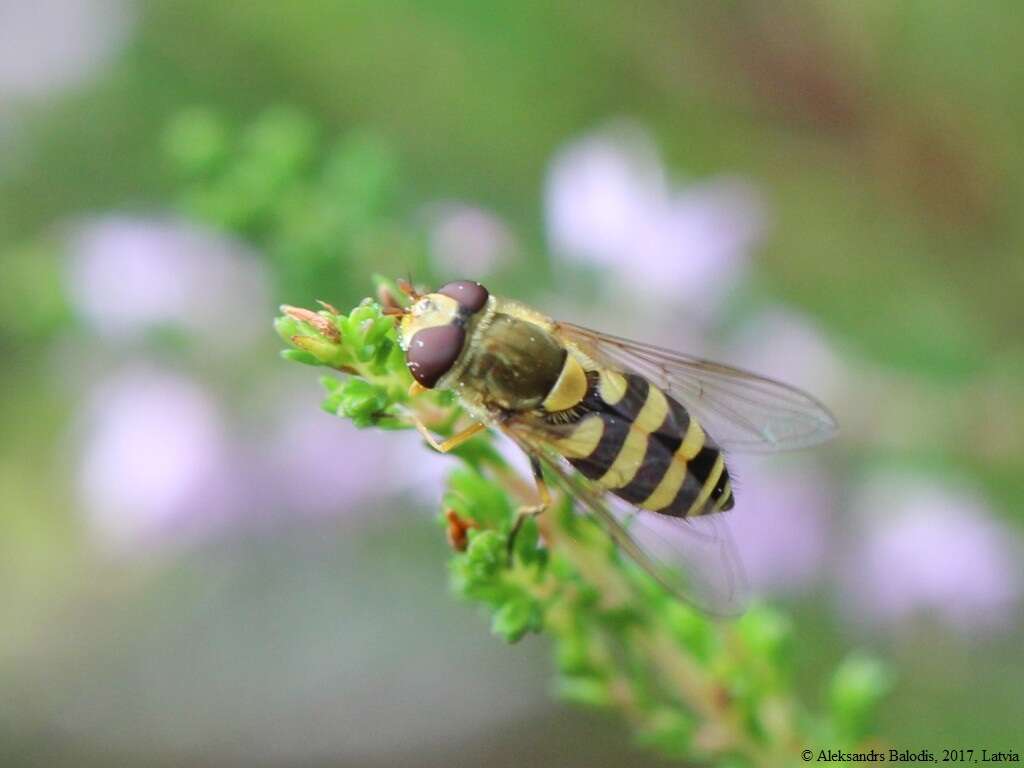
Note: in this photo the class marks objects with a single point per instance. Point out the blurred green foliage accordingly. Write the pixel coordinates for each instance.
(319, 213)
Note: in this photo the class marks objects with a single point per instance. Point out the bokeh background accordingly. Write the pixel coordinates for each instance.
(199, 566)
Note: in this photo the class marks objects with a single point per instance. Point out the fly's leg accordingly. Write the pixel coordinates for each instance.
(452, 442)
(531, 510)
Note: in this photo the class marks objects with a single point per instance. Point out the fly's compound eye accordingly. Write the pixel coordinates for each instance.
(433, 351)
(470, 296)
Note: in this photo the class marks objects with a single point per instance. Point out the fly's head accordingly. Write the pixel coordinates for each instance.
(432, 331)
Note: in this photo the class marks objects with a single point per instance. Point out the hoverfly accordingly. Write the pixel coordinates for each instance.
(644, 424)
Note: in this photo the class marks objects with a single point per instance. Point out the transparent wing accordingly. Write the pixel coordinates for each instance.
(741, 410)
(694, 559)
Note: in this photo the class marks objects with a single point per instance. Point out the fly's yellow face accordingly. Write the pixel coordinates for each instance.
(430, 311)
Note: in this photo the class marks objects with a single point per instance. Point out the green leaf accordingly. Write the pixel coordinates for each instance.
(300, 356)
(477, 498)
(586, 690)
(858, 686)
(669, 731)
(196, 141)
(768, 634)
(282, 142)
(361, 401)
(486, 549)
(515, 618)
(573, 653)
(287, 327)
(692, 629)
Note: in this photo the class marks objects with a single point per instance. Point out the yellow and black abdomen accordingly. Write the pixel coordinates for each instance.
(632, 439)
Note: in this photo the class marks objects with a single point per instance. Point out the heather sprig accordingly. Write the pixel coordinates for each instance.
(692, 687)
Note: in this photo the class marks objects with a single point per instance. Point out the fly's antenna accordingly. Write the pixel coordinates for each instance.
(390, 305)
(393, 304)
(406, 287)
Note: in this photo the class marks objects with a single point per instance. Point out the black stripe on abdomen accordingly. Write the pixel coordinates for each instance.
(698, 470)
(597, 462)
(655, 464)
(617, 419)
(662, 445)
(673, 429)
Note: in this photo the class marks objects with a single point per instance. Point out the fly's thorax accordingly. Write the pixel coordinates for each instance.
(435, 330)
(511, 363)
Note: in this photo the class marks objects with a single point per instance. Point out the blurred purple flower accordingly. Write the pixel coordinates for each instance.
(610, 203)
(781, 523)
(47, 45)
(934, 550)
(160, 469)
(127, 274)
(154, 462)
(467, 241)
(321, 466)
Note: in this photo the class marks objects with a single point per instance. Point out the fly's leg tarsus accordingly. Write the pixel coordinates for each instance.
(452, 442)
(532, 510)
